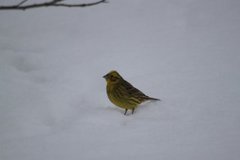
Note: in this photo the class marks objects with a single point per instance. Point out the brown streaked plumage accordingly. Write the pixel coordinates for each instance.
(122, 93)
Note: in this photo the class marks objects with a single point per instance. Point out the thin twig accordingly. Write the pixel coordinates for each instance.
(22, 2)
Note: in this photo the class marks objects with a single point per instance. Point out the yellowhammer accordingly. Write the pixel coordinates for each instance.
(122, 93)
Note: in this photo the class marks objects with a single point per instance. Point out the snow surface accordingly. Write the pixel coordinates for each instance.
(53, 104)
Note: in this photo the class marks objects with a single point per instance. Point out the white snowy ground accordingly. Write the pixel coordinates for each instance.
(53, 104)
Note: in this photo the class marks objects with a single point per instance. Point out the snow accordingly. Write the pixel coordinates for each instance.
(53, 103)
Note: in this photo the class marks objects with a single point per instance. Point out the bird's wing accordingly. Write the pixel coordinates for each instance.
(134, 92)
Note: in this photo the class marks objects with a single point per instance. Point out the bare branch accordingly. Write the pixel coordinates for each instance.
(52, 3)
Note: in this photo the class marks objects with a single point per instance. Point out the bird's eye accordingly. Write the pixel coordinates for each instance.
(113, 78)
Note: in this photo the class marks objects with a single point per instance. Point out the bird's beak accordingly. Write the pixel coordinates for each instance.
(105, 76)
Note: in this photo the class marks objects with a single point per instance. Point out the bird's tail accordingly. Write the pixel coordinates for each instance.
(155, 99)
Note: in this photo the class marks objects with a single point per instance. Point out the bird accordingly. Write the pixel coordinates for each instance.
(122, 93)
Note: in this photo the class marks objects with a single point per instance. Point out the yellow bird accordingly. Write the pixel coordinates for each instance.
(122, 93)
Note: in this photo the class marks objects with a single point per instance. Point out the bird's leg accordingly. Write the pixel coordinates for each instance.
(133, 110)
(125, 111)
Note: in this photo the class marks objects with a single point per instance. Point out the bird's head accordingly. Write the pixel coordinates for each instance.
(113, 77)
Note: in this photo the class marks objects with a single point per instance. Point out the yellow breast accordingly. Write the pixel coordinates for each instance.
(119, 99)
